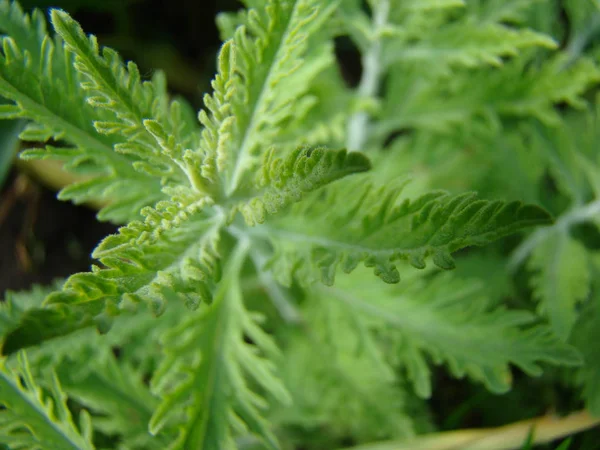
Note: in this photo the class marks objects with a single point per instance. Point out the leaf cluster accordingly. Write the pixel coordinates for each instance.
(237, 304)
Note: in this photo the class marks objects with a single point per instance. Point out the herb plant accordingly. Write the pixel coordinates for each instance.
(278, 280)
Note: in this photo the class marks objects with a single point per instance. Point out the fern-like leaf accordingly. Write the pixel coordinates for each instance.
(152, 127)
(561, 279)
(326, 231)
(252, 102)
(450, 320)
(339, 378)
(514, 90)
(118, 399)
(202, 378)
(467, 44)
(36, 74)
(31, 420)
(283, 181)
(171, 256)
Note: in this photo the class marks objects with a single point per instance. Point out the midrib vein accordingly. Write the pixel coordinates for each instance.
(251, 128)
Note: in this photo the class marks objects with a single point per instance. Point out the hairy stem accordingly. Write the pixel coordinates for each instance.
(575, 216)
(279, 295)
(245, 146)
(371, 78)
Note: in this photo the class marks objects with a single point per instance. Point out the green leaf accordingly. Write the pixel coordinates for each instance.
(518, 89)
(32, 420)
(253, 102)
(331, 230)
(138, 110)
(112, 389)
(561, 279)
(37, 75)
(339, 378)
(507, 11)
(283, 181)
(585, 337)
(202, 378)
(467, 44)
(450, 79)
(565, 445)
(9, 143)
(450, 320)
(170, 257)
(38, 325)
(119, 400)
(15, 304)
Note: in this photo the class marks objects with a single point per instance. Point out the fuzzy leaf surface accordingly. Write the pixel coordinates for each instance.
(154, 128)
(251, 101)
(451, 321)
(31, 420)
(283, 181)
(171, 256)
(203, 377)
(561, 279)
(375, 227)
(37, 75)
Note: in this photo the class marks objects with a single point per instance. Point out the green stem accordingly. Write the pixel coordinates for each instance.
(575, 216)
(371, 78)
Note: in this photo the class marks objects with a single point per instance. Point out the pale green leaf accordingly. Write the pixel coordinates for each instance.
(374, 227)
(37, 75)
(137, 110)
(206, 376)
(467, 44)
(283, 181)
(30, 419)
(252, 102)
(171, 256)
(450, 320)
(561, 279)
(513, 90)
(118, 399)
(339, 378)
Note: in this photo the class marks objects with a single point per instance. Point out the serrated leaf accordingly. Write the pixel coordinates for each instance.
(151, 124)
(264, 96)
(339, 378)
(31, 420)
(561, 279)
(37, 75)
(283, 181)
(171, 256)
(517, 89)
(375, 228)
(467, 44)
(203, 377)
(119, 400)
(450, 320)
